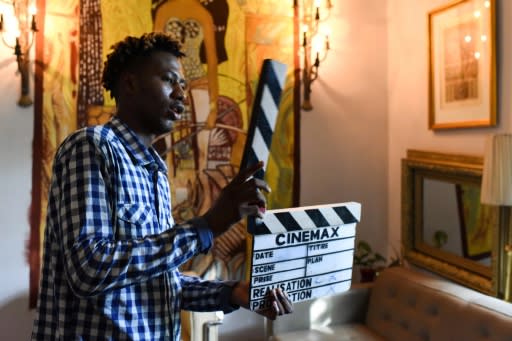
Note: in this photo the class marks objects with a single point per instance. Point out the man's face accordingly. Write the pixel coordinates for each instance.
(158, 93)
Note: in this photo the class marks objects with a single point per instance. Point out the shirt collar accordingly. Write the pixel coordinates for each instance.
(139, 153)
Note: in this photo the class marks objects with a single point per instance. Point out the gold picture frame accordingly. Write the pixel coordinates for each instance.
(419, 169)
(462, 65)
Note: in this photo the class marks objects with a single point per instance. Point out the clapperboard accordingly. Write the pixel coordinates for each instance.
(306, 251)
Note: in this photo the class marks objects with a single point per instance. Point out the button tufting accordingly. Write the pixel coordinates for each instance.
(432, 310)
(386, 316)
(423, 335)
(484, 332)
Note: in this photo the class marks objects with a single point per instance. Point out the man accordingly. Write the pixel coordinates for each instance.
(112, 250)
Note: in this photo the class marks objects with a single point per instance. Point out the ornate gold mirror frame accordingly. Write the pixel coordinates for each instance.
(445, 229)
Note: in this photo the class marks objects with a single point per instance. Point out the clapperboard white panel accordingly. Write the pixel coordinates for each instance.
(306, 251)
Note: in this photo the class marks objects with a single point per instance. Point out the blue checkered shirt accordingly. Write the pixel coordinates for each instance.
(111, 248)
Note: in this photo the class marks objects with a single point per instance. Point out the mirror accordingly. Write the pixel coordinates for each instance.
(445, 229)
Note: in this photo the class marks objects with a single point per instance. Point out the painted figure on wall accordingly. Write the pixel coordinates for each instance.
(201, 144)
(191, 24)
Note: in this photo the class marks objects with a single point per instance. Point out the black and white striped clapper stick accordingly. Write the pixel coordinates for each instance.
(264, 114)
(306, 251)
(265, 110)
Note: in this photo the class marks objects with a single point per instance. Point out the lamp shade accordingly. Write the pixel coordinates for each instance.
(497, 173)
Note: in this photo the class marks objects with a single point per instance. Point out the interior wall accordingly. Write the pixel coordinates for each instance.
(16, 131)
(408, 93)
(344, 138)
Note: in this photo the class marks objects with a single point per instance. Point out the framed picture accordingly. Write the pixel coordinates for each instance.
(462, 65)
(476, 222)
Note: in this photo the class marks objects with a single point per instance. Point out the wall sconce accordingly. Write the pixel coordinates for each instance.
(315, 44)
(18, 32)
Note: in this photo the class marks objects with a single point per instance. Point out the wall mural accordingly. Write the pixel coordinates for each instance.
(225, 42)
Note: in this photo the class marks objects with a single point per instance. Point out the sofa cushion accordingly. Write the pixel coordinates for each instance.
(410, 305)
(407, 305)
(345, 332)
(486, 318)
(348, 307)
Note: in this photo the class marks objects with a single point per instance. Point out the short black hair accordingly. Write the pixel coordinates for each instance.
(127, 51)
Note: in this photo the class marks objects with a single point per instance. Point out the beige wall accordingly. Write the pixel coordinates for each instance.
(344, 153)
(16, 130)
(408, 92)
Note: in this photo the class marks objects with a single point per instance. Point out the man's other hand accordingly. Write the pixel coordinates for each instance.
(277, 302)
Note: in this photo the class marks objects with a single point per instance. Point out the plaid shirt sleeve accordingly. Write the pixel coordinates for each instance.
(204, 295)
(96, 259)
